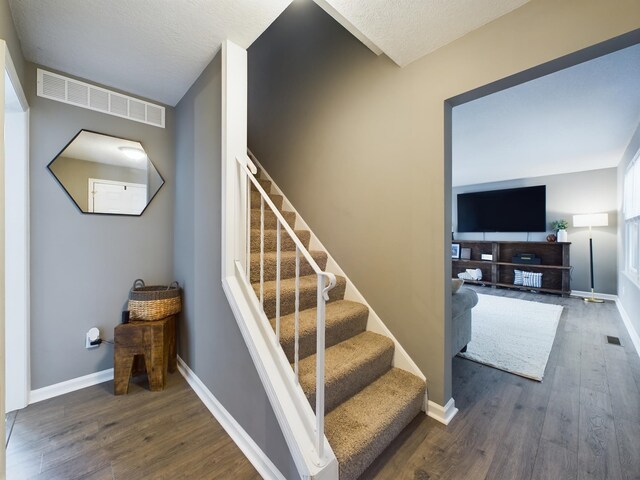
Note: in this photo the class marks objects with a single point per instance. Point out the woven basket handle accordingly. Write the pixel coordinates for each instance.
(173, 285)
(138, 284)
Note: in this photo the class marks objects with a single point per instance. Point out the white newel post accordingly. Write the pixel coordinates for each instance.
(234, 144)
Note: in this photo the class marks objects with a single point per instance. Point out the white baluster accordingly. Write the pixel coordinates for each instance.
(320, 343)
(297, 314)
(278, 281)
(248, 223)
(262, 252)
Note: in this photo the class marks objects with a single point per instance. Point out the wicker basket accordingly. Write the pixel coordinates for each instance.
(153, 302)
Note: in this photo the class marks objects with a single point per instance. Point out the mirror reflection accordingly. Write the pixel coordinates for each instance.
(105, 174)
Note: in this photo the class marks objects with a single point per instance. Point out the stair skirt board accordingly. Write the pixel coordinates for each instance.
(372, 388)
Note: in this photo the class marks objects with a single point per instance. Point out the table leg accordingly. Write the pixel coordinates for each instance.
(123, 364)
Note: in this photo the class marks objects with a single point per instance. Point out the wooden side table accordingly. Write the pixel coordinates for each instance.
(155, 342)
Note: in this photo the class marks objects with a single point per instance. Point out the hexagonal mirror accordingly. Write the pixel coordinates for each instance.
(106, 175)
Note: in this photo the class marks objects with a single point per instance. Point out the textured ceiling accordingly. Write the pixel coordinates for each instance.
(151, 48)
(409, 29)
(577, 119)
(157, 48)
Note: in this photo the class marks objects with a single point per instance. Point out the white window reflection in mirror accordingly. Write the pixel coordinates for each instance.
(106, 175)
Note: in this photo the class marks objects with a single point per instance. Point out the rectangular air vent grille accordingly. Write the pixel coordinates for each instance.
(81, 94)
(613, 340)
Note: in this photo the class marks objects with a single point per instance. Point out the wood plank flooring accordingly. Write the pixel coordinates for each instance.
(581, 422)
(91, 434)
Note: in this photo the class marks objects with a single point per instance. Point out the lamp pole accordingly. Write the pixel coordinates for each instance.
(593, 298)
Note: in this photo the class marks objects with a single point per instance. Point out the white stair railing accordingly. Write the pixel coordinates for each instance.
(325, 282)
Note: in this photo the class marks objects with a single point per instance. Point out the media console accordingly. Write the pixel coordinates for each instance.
(499, 272)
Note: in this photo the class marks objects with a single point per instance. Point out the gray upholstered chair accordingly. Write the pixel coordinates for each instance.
(461, 304)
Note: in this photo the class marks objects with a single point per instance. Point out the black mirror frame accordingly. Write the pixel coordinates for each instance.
(100, 213)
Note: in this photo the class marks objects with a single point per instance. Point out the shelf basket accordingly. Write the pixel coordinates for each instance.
(153, 302)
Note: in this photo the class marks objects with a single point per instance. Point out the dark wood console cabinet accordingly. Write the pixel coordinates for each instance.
(555, 266)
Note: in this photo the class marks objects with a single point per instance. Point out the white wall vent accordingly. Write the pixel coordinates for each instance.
(81, 94)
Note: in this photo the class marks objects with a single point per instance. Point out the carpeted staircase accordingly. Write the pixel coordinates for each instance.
(367, 401)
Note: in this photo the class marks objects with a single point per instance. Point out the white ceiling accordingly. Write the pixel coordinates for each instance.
(406, 30)
(577, 119)
(151, 48)
(157, 48)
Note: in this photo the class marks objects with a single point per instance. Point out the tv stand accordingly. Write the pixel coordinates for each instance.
(499, 272)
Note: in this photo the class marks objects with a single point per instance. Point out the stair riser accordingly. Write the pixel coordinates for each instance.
(340, 390)
(270, 241)
(334, 334)
(255, 200)
(359, 463)
(287, 267)
(270, 220)
(308, 299)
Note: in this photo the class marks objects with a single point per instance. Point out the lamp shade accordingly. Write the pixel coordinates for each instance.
(591, 220)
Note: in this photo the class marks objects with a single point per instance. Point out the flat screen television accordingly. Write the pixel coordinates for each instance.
(511, 210)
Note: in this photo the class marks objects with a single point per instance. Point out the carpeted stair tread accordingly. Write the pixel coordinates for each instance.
(287, 294)
(270, 240)
(350, 366)
(359, 429)
(287, 265)
(255, 199)
(265, 184)
(343, 319)
(270, 219)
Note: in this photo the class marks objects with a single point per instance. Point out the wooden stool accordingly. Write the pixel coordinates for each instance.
(154, 341)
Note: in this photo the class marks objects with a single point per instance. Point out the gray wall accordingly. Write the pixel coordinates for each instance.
(82, 266)
(9, 34)
(357, 144)
(628, 291)
(573, 193)
(210, 340)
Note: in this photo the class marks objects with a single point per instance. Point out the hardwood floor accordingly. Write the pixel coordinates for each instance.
(91, 434)
(582, 422)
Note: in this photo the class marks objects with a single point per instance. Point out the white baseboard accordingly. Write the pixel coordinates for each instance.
(69, 386)
(256, 456)
(252, 451)
(442, 414)
(626, 319)
(603, 296)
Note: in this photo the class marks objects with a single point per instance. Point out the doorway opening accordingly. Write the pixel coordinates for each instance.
(16, 210)
(492, 268)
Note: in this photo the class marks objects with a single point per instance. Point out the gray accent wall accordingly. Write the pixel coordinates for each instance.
(628, 290)
(210, 340)
(594, 191)
(357, 145)
(82, 266)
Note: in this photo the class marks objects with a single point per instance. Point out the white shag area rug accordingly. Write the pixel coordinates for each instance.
(513, 335)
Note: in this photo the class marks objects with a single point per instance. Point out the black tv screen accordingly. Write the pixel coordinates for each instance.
(511, 210)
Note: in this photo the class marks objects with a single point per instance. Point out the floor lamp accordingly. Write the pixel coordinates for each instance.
(591, 220)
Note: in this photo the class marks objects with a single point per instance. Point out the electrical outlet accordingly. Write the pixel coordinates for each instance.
(91, 337)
